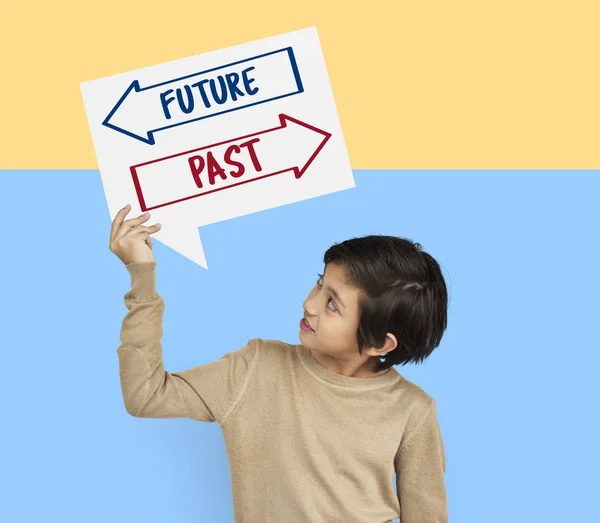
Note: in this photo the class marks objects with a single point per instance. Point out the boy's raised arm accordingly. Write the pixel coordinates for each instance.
(204, 393)
(420, 466)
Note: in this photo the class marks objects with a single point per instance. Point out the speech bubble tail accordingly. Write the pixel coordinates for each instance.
(185, 240)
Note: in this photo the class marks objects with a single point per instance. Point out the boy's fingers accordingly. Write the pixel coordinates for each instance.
(127, 225)
(144, 229)
(118, 221)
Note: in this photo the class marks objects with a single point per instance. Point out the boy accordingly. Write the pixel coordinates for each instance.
(314, 432)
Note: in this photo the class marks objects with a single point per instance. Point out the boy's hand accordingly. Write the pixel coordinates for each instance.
(129, 240)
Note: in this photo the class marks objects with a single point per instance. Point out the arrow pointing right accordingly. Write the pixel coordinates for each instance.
(291, 146)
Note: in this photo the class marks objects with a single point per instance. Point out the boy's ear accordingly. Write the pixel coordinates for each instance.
(390, 344)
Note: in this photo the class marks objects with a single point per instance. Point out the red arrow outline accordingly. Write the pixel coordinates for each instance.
(283, 120)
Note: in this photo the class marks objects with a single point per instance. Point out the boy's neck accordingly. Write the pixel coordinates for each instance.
(358, 370)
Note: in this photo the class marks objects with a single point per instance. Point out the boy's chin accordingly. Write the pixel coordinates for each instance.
(305, 334)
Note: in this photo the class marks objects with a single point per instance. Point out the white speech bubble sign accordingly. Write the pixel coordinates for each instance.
(219, 135)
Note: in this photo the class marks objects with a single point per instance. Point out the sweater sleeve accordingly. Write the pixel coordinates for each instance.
(209, 392)
(420, 467)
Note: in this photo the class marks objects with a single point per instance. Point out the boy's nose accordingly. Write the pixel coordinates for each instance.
(308, 310)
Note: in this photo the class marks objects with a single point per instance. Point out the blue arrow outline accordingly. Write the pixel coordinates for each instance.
(135, 85)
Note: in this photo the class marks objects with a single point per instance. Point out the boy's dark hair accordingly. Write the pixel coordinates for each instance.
(403, 292)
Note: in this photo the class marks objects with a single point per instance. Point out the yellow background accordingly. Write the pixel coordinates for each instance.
(418, 84)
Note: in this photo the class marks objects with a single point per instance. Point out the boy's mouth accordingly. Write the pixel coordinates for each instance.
(305, 326)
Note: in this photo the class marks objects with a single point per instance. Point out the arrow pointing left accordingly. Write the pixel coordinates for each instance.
(143, 111)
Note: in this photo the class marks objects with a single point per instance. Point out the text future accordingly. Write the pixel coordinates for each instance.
(209, 90)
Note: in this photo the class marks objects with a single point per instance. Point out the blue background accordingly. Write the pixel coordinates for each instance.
(515, 378)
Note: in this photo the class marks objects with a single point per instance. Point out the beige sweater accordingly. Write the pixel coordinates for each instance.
(304, 444)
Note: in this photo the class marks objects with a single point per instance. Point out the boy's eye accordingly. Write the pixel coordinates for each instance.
(329, 300)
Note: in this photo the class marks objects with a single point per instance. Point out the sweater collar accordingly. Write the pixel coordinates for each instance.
(323, 374)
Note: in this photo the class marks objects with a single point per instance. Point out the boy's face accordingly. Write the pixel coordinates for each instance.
(331, 310)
